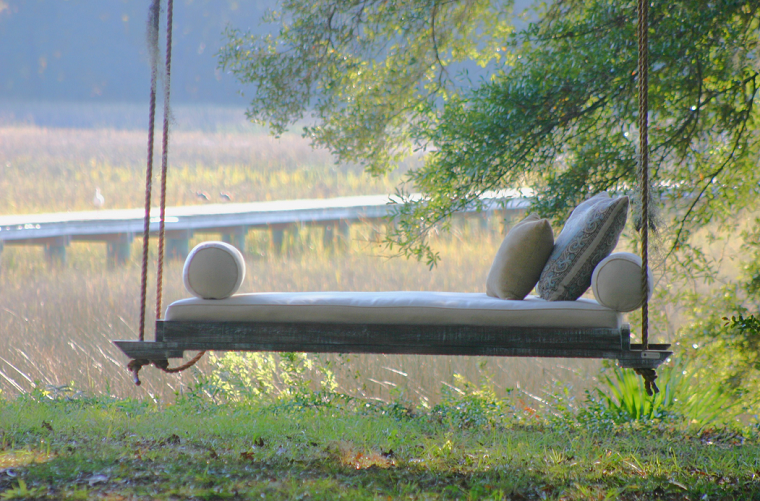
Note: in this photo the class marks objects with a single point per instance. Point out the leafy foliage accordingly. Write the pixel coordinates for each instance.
(743, 334)
(558, 114)
(563, 119)
(21, 491)
(719, 320)
(362, 71)
(268, 377)
(467, 405)
(683, 396)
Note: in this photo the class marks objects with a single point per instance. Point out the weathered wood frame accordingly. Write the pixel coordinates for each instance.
(173, 338)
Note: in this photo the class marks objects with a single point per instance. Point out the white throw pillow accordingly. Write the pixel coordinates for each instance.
(616, 282)
(213, 270)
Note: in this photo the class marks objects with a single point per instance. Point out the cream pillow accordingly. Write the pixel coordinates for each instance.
(589, 235)
(213, 270)
(616, 282)
(520, 259)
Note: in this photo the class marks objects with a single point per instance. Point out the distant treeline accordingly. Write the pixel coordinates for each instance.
(95, 50)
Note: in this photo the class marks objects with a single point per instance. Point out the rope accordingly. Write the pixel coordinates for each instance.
(153, 14)
(643, 69)
(185, 366)
(649, 375)
(164, 158)
(134, 366)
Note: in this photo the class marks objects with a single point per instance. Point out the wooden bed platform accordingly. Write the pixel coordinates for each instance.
(173, 338)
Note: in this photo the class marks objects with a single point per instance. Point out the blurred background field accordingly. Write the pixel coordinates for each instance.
(58, 323)
(48, 165)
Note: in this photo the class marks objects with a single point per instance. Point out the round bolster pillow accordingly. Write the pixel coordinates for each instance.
(616, 282)
(213, 270)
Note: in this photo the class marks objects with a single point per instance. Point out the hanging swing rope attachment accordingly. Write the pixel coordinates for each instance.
(135, 365)
(649, 376)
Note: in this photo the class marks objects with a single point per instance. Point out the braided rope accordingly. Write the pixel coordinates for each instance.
(135, 365)
(164, 364)
(153, 14)
(643, 70)
(649, 376)
(164, 158)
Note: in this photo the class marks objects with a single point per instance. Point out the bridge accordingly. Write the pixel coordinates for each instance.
(231, 222)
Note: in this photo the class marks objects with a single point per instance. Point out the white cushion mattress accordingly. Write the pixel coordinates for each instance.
(423, 308)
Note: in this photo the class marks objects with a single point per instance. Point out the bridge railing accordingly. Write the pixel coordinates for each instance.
(232, 222)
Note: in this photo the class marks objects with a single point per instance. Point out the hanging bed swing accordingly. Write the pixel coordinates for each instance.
(431, 323)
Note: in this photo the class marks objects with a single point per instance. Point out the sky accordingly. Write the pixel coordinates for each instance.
(95, 50)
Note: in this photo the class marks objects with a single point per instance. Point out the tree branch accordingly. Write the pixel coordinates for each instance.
(710, 179)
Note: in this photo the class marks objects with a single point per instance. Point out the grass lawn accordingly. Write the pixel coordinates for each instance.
(328, 447)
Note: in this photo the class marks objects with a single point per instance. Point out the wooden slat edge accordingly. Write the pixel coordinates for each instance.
(148, 350)
(296, 334)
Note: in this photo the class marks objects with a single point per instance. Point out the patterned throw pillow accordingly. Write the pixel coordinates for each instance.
(520, 259)
(590, 234)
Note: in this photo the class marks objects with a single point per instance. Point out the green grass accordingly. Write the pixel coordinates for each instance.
(351, 449)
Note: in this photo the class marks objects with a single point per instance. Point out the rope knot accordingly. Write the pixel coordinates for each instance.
(649, 376)
(135, 365)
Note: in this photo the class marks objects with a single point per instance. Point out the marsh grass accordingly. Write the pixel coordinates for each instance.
(58, 170)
